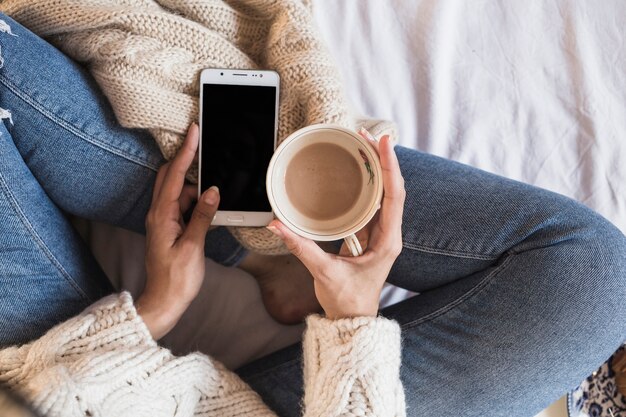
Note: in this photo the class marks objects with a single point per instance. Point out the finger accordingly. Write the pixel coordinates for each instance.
(202, 216)
(175, 177)
(365, 134)
(362, 236)
(158, 183)
(187, 197)
(311, 255)
(390, 218)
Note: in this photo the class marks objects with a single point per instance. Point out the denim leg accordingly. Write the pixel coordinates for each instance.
(522, 296)
(47, 275)
(459, 220)
(67, 134)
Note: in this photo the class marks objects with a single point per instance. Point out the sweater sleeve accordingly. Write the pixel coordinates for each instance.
(106, 325)
(352, 368)
(104, 362)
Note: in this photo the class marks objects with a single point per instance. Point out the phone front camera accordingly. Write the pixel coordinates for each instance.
(261, 75)
(221, 73)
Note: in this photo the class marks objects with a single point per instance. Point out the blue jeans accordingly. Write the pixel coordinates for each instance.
(522, 290)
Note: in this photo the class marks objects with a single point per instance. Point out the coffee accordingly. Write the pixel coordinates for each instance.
(323, 181)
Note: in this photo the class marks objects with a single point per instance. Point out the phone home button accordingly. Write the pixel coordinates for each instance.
(235, 219)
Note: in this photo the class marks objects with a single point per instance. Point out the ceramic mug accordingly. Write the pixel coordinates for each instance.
(368, 199)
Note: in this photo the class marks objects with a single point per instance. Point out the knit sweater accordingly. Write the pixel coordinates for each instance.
(104, 362)
(146, 55)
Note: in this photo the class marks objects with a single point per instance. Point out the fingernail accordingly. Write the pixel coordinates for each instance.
(191, 126)
(367, 134)
(275, 230)
(211, 195)
(391, 140)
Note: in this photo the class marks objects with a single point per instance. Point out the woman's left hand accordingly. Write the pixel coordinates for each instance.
(348, 286)
(175, 251)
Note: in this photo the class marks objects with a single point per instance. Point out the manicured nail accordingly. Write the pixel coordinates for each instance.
(363, 131)
(191, 126)
(391, 140)
(211, 195)
(275, 230)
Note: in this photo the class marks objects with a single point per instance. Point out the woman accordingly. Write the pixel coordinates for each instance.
(521, 289)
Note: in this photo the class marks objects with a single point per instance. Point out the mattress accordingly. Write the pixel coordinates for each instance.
(533, 90)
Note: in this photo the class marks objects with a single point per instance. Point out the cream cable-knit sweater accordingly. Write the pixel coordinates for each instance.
(104, 362)
(146, 55)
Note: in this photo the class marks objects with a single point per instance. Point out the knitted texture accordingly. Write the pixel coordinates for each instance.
(104, 363)
(349, 368)
(146, 55)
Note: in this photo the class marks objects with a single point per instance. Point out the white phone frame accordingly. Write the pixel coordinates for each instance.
(238, 77)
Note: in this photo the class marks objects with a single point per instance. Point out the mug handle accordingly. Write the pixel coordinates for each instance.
(354, 245)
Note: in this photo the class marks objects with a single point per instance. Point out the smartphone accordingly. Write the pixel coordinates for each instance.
(238, 128)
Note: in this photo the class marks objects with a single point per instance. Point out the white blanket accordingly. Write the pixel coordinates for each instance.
(531, 90)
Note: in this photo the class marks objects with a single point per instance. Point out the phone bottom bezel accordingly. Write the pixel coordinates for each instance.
(250, 218)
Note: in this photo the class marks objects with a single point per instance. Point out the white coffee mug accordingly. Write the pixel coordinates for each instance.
(347, 224)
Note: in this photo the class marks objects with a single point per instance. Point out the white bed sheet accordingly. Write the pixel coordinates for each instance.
(533, 90)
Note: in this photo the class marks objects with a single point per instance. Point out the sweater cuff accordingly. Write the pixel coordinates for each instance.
(109, 323)
(335, 332)
(352, 367)
(375, 341)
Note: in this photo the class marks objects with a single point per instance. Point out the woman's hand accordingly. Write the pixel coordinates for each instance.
(350, 286)
(175, 251)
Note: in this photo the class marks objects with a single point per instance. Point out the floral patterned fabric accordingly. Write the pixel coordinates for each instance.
(598, 396)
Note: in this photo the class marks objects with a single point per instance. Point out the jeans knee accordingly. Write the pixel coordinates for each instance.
(598, 249)
(610, 244)
(580, 241)
(582, 279)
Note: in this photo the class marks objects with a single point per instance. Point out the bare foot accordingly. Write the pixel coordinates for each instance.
(286, 286)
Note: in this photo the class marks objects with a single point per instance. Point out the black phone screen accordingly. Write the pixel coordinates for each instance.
(238, 143)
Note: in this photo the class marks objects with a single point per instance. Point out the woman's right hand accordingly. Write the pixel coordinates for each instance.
(175, 259)
(349, 286)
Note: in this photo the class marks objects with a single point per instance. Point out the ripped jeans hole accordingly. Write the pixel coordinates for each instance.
(5, 114)
(4, 27)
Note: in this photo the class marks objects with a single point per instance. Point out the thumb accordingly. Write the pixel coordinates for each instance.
(202, 216)
(311, 255)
